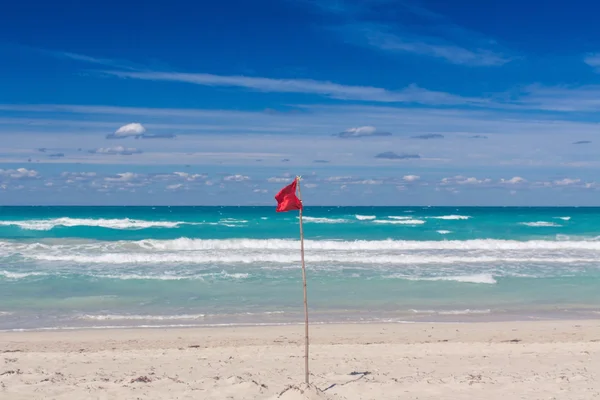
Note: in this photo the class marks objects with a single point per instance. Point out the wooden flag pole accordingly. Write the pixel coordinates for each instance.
(304, 283)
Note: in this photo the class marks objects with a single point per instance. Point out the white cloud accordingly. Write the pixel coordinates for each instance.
(260, 191)
(118, 150)
(411, 178)
(367, 182)
(472, 181)
(513, 181)
(362, 131)
(567, 182)
(350, 180)
(78, 174)
(19, 173)
(462, 180)
(72, 177)
(132, 129)
(189, 177)
(122, 177)
(279, 180)
(339, 178)
(310, 185)
(175, 187)
(236, 178)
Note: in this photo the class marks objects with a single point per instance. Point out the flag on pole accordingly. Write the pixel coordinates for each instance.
(287, 199)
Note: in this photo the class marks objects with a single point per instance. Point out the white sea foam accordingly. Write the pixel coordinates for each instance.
(442, 232)
(540, 224)
(165, 326)
(20, 275)
(237, 275)
(465, 312)
(163, 277)
(8, 248)
(365, 217)
(294, 258)
(477, 278)
(452, 217)
(6, 313)
(316, 220)
(127, 277)
(176, 317)
(452, 312)
(397, 217)
(400, 221)
(126, 223)
(234, 221)
(564, 218)
(116, 317)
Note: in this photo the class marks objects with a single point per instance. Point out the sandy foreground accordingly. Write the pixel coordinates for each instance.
(515, 360)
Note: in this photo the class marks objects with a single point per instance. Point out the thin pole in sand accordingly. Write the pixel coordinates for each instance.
(304, 283)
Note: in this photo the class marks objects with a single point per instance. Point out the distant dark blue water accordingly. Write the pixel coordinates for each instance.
(187, 266)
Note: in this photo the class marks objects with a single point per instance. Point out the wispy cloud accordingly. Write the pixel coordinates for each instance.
(390, 155)
(118, 150)
(558, 98)
(416, 30)
(122, 177)
(428, 136)
(463, 180)
(89, 59)
(593, 60)
(383, 38)
(410, 94)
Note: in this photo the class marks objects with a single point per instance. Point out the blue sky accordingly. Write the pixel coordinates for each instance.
(373, 102)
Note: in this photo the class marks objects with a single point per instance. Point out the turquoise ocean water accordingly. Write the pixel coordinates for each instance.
(72, 267)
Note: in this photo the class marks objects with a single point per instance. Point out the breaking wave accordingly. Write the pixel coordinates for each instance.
(125, 223)
(478, 278)
(116, 317)
(315, 220)
(452, 312)
(11, 248)
(294, 258)
(365, 217)
(452, 217)
(20, 275)
(400, 221)
(540, 224)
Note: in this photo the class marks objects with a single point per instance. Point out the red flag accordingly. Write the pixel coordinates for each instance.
(287, 199)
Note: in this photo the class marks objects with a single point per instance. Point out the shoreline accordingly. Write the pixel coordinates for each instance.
(201, 321)
(493, 360)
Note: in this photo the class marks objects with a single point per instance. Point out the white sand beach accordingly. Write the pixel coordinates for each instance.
(512, 360)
